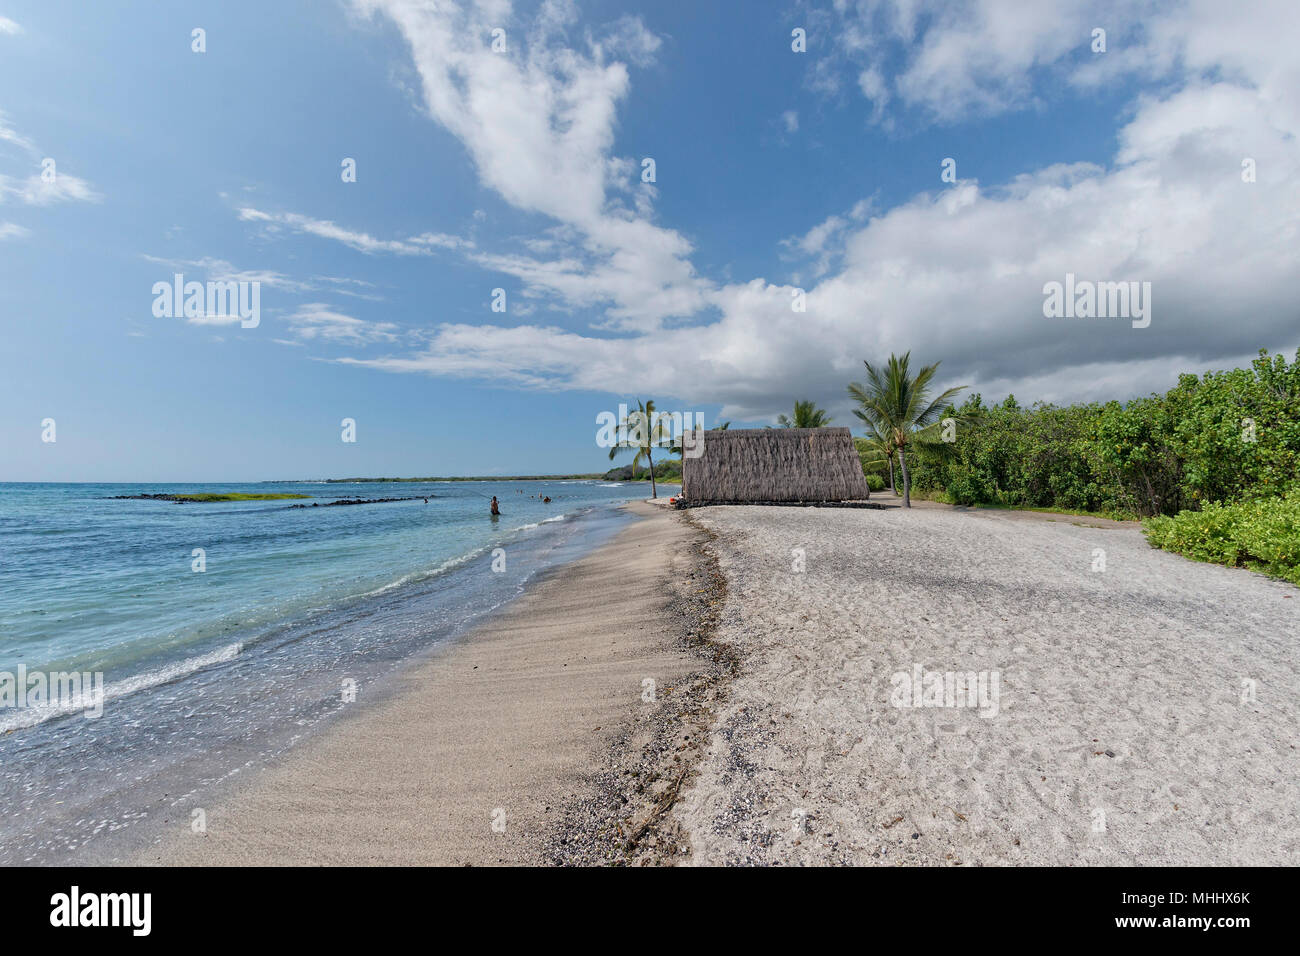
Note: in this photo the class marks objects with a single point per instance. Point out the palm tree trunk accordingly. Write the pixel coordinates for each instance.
(892, 490)
(654, 491)
(907, 482)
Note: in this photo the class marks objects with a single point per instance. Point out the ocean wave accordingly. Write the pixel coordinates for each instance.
(31, 716)
(414, 576)
(165, 650)
(537, 524)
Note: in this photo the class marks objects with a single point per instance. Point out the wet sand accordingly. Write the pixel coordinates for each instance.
(477, 757)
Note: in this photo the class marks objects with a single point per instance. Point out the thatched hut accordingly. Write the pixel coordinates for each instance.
(774, 465)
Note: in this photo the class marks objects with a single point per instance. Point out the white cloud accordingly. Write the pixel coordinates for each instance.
(538, 122)
(33, 189)
(968, 58)
(791, 120)
(36, 191)
(440, 240)
(11, 230)
(9, 28)
(11, 136)
(316, 320)
(823, 244)
(355, 288)
(874, 87)
(219, 270)
(421, 245)
(954, 275)
(972, 57)
(345, 281)
(213, 319)
(626, 38)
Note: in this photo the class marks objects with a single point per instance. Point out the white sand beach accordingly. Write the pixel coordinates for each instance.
(1121, 735)
(1141, 714)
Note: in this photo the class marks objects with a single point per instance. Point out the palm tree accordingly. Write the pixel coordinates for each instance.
(806, 415)
(643, 430)
(898, 406)
(871, 455)
(880, 444)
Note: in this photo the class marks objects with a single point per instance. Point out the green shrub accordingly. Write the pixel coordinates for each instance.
(1021, 457)
(875, 482)
(1238, 432)
(1262, 534)
(968, 490)
(1134, 454)
(1224, 436)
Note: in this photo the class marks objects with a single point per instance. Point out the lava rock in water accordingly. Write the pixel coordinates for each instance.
(360, 501)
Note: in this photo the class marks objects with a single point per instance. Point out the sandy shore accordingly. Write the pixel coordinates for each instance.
(514, 745)
(1130, 707)
(1145, 713)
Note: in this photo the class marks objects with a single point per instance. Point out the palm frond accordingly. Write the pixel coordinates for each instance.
(898, 412)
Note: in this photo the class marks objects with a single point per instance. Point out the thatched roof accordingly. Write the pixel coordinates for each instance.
(775, 464)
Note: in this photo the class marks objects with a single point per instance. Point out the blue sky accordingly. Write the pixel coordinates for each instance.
(521, 170)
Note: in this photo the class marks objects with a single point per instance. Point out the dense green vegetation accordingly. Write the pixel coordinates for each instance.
(1223, 437)
(1221, 452)
(669, 470)
(1262, 534)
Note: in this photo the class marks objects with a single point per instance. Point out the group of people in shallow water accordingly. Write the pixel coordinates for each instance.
(496, 510)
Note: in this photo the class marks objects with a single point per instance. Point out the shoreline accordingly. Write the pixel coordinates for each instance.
(772, 641)
(183, 733)
(504, 747)
(629, 817)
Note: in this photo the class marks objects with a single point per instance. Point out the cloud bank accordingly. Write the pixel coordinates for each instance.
(956, 273)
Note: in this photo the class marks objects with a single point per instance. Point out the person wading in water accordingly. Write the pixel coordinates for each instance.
(495, 511)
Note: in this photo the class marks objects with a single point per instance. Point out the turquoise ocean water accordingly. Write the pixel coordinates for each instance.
(206, 671)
